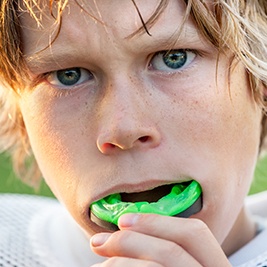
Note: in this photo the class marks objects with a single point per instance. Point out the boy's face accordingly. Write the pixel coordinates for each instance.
(125, 117)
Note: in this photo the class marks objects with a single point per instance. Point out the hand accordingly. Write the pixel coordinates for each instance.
(154, 240)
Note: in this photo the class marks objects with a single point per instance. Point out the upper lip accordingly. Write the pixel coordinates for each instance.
(137, 188)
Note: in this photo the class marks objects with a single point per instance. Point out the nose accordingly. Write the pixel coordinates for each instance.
(121, 137)
(126, 122)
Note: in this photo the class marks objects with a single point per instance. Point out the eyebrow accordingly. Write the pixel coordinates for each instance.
(55, 56)
(187, 35)
(46, 58)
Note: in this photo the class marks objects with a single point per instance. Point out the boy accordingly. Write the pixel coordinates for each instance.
(131, 97)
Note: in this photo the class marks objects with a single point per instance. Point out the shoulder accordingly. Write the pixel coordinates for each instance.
(27, 202)
(38, 232)
(17, 213)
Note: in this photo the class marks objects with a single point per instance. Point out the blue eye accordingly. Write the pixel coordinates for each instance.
(172, 60)
(69, 77)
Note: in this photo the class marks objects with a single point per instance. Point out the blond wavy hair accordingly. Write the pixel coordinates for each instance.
(236, 25)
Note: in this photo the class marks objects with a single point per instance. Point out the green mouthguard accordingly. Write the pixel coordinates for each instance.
(181, 197)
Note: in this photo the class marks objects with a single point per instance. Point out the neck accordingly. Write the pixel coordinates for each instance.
(242, 232)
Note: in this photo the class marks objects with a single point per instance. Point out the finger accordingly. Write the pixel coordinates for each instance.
(136, 245)
(122, 262)
(192, 235)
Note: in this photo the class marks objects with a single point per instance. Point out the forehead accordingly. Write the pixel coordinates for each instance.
(94, 19)
(99, 10)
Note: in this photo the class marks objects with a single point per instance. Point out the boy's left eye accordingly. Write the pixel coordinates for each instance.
(172, 60)
(69, 77)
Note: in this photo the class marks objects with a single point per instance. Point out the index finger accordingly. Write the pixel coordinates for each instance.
(191, 234)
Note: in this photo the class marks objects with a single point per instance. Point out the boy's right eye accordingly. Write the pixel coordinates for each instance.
(69, 77)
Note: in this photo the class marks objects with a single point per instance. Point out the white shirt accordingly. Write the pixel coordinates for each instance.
(38, 232)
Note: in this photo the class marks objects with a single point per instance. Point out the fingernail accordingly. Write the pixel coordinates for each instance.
(128, 220)
(99, 239)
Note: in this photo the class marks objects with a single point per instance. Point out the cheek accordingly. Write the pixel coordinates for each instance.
(228, 146)
(56, 137)
(218, 128)
(57, 148)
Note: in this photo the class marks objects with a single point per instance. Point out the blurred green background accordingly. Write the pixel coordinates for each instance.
(9, 182)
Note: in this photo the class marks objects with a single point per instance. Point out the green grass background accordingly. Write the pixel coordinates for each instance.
(10, 184)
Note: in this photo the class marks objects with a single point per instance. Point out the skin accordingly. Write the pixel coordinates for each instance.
(131, 125)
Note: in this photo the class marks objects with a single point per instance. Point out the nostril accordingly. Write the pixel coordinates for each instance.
(107, 146)
(143, 139)
(107, 143)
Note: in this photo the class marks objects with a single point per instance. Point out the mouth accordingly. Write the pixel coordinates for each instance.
(180, 200)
